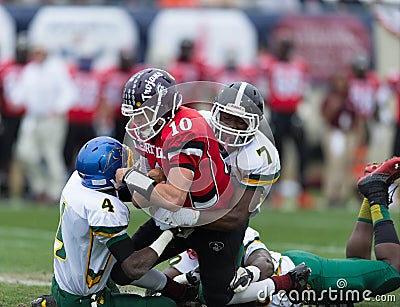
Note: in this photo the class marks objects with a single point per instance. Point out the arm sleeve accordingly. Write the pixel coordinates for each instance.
(121, 247)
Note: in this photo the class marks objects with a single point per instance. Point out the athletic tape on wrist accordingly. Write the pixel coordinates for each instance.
(140, 183)
(161, 243)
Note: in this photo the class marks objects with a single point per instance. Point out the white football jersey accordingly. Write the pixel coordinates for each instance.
(255, 165)
(89, 222)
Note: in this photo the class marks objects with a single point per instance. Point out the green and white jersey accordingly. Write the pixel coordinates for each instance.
(255, 165)
(90, 222)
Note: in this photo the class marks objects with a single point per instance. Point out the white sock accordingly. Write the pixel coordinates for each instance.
(153, 280)
(256, 291)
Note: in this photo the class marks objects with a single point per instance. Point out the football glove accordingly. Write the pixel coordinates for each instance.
(166, 219)
(243, 277)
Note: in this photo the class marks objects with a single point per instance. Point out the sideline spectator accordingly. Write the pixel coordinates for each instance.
(233, 71)
(339, 141)
(46, 90)
(364, 87)
(82, 112)
(187, 67)
(109, 120)
(393, 81)
(10, 174)
(286, 78)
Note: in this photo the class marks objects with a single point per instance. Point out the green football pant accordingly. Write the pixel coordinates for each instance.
(334, 280)
(105, 298)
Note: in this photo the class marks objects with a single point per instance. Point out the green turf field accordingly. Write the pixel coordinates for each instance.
(27, 232)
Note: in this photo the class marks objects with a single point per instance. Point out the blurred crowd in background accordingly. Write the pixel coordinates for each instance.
(330, 79)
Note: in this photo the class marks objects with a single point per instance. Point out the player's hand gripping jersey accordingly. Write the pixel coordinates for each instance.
(89, 222)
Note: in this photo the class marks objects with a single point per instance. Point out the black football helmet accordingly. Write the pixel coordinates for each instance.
(239, 99)
(150, 99)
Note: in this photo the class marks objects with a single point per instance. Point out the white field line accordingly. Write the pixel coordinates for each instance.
(280, 247)
(333, 250)
(27, 282)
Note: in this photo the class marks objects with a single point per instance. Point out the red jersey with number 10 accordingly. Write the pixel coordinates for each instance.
(189, 142)
(394, 82)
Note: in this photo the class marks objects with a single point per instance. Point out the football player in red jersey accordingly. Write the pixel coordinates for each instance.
(187, 66)
(113, 82)
(179, 140)
(287, 81)
(82, 112)
(394, 82)
(11, 114)
(363, 95)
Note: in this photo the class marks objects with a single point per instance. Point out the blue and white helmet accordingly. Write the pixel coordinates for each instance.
(99, 159)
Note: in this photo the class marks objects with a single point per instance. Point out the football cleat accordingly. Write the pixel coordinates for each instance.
(369, 168)
(378, 177)
(386, 172)
(44, 301)
(299, 275)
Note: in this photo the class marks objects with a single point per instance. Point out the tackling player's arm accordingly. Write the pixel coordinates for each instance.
(261, 259)
(131, 264)
(236, 216)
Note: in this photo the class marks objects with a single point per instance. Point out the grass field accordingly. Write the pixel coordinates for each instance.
(27, 232)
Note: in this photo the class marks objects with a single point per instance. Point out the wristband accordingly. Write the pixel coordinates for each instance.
(140, 183)
(161, 243)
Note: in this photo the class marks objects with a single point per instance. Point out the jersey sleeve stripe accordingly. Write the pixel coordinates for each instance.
(184, 165)
(117, 239)
(262, 179)
(191, 144)
(107, 231)
(205, 201)
(256, 187)
(187, 151)
(254, 239)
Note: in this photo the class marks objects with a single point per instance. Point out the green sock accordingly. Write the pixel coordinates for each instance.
(365, 212)
(379, 214)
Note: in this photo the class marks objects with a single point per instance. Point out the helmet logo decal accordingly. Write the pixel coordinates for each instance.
(236, 108)
(161, 89)
(150, 83)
